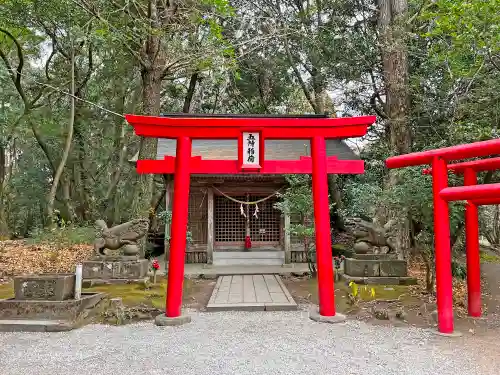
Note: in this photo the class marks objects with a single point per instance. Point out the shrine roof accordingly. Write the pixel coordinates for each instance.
(227, 149)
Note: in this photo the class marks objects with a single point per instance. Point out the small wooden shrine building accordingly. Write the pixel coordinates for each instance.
(219, 221)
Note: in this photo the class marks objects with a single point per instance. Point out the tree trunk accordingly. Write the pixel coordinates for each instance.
(188, 99)
(67, 147)
(153, 69)
(80, 165)
(395, 64)
(151, 95)
(395, 74)
(111, 201)
(66, 196)
(4, 228)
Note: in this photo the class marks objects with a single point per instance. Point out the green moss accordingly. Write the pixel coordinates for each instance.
(6, 291)
(489, 258)
(135, 294)
(139, 294)
(340, 249)
(342, 291)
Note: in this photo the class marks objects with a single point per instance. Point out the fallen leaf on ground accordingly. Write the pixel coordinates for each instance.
(20, 258)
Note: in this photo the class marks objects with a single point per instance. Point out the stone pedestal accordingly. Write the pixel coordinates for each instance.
(115, 269)
(45, 287)
(46, 303)
(376, 269)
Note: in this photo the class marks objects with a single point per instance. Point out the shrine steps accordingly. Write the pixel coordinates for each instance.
(248, 258)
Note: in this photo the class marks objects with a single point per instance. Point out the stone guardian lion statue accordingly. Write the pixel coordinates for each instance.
(124, 237)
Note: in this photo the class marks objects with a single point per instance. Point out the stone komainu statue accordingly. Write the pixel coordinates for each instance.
(123, 236)
(372, 238)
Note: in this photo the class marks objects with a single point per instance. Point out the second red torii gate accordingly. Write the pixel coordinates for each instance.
(469, 170)
(251, 133)
(442, 194)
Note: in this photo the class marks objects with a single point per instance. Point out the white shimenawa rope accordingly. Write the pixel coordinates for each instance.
(256, 211)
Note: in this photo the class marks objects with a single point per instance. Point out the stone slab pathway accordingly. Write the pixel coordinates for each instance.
(250, 293)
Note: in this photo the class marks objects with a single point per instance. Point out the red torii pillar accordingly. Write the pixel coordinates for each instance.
(182, 181)
(184, 129)
(441, 195)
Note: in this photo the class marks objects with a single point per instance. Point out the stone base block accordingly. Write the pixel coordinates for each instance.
(57, 287)
(116, 269)
(375, 267)
(163, 320)
(314, 315)
(375, 256)
(67, 310)
(89, 283)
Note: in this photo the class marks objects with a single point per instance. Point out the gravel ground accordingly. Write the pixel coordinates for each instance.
(241, 343)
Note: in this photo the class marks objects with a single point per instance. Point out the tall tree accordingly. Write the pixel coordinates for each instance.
(394, 54)
(155, 32)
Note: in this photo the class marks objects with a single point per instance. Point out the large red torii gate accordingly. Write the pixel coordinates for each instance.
(251, 133)
(475, 195)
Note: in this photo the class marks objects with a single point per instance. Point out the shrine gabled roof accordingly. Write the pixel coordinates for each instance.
(227, 149)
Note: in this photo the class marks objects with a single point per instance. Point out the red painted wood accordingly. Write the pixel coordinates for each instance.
(472, 250)
(444, 294)
(459, 193)
(199, 166)
(326, 295)
(231, 128)
(486, 202)
(491, 164)
(465, 151)
(178, 228)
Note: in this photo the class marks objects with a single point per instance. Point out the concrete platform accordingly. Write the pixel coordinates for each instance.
(256, 292)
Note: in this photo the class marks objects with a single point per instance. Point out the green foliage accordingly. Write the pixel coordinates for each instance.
(459, 270)
(360, 199)
(467, 30)
(166, 218)
(297, 202)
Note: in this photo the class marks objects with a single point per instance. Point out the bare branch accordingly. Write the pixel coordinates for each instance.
(89, 70)
(47, 64)
(15, 75)
(190, 93)
(303, 85)
(493, 62)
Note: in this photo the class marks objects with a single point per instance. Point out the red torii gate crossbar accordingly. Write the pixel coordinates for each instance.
(250, 161)
(442, 194)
